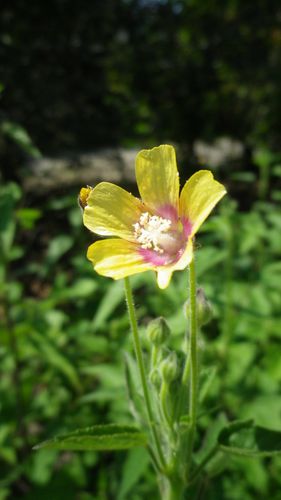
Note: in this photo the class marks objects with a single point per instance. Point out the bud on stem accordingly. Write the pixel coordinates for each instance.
(158, 331)
(204, 310)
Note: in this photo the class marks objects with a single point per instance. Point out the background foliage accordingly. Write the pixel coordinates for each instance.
(137, 71)
(134, 73)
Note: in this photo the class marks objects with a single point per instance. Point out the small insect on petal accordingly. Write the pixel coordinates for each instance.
(83, 196)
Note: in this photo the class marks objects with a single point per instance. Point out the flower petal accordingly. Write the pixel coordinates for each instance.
(112, 211)
(185, 259)
(198, 197)
(163, 278)
(158, 179)
(164, 273)
(116, 258)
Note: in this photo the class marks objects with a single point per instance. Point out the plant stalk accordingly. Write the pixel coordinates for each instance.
(193, 396)
(140, 361)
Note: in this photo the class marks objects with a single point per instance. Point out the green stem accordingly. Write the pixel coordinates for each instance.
(204, 462)
(163, 398)
(154, 356)
(140, 361)
(186, 370)
(181, 404)
(193, 362)
(173, 490)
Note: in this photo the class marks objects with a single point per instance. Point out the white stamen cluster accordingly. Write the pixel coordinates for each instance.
(149, 229)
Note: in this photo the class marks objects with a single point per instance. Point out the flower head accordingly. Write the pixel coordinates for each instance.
(156, 231)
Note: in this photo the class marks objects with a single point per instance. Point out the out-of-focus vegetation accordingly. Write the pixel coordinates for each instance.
(89, 74)
(84, 75)
(64, 331)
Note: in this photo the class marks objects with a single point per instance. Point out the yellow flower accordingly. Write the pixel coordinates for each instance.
(156, 232)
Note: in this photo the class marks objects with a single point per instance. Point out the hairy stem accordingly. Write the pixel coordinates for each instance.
(140, 361)
(163, 398)
(193, 362)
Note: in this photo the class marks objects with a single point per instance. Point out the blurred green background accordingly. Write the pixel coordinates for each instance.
(85, 78)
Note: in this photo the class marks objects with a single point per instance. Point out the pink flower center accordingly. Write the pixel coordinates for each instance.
(159, 236)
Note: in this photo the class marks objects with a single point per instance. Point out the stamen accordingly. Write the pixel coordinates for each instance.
(149, 230)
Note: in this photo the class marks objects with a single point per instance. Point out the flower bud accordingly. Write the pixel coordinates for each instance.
(154, 377)
(158, 331)
(203, 308)
(169, 367)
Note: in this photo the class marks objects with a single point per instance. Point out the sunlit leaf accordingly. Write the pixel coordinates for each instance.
(99, 437)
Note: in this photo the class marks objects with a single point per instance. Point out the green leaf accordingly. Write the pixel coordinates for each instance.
(133, 387)
(208, 377)
(9, 195)
(244, 438)
(208, 258)
(98, 437)
(276, 195)
(82, 288)
(21, 137)
(111, 376)
(277, 170)
(58, 247)
(28, 217)
(111, 299)
(218, 463)
(243, 176)
(135, 466)
(54, 357)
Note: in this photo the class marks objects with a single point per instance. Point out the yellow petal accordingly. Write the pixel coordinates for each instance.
(157, 177)
(164, 273)
(198, 197)
(185, 259)
(116, 258)
(163, 278)
(112, 211)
